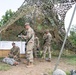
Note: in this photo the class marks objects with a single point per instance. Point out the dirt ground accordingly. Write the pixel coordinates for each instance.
(38, 68)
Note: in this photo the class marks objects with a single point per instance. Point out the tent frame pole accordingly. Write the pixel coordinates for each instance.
(57, 63)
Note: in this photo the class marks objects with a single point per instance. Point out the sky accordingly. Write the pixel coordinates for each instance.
(68, 18)
(9, 4)
(15, 4)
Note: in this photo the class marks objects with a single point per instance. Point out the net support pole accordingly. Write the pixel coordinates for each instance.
(0, 36)
(57, 63)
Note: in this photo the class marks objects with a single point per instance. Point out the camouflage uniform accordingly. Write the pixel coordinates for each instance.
(30, 44)
(9, 61)
(36, 46)
(47, 45)
(15, 53)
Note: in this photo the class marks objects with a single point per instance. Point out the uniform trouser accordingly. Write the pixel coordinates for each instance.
(10, 61)
(35, 51)
(47, 49)
(29, 52)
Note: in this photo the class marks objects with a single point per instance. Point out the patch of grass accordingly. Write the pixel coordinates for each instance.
(50, 72)
(72, 61)
(68, 56)
(67, 72)
(4, 67)
(66, 53)
(1, 58)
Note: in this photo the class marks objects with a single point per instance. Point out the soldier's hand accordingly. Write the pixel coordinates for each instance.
(15, 56)
(24, 37)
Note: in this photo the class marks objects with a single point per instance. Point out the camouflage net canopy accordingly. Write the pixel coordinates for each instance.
(41, 15)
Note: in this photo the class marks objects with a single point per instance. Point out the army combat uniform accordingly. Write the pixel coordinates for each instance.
(47, 45)
(36, 46)
(10, 61)
(30, 44)
(15, 53)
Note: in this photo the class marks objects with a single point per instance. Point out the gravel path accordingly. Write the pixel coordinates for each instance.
(38, 68)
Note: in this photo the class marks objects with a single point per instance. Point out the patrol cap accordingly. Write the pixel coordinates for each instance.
(13, 43)
(27, 24)
(47, 30)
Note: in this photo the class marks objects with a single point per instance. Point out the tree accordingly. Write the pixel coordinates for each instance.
(72, 38)
(73, 28)
(6, 17)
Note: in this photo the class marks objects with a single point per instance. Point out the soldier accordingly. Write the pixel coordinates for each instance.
(15, 52)
(47, 44)
(36, 46)
(10, 61)
(29, 44)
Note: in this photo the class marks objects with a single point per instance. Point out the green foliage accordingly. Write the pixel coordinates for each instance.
(55, 46)
(51, 21)
(21, 21)
(4, 67)
(39, 27)
(72, 61)
(73, 28)
(40, 54)
(6, 17)
(72, 38)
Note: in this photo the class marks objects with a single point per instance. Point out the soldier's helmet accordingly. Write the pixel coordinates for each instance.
(47, 30)
(13, 43)
(27, 24)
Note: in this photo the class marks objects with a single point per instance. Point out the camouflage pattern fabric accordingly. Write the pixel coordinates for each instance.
(15, 53)
(47, 45)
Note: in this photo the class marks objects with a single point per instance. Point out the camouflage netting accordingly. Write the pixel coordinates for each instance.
(42, 17)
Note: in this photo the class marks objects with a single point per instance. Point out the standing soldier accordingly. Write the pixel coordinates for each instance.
(47, 44)
(36, 46)
(29, 44)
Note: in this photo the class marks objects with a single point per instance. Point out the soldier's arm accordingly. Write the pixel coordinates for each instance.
(44, 36)
(49, 38)
(11, 51)
(38, 42)
(17, 51)
(24, 37)
(29, 34)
